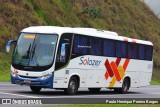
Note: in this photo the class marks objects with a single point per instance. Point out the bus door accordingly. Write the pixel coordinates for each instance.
(62, 58)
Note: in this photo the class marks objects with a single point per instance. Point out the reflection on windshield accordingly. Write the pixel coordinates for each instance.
(35, 50)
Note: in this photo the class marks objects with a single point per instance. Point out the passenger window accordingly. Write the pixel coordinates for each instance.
(132, 50)
(109, 47)
(121, 49)
(96, 46)
(141, 52)
(80, 46)
(149, 52)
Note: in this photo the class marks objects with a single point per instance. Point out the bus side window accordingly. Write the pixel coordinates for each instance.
(109, 48)
(80, 46)
(141, 52)
(132, 50)
(121, 49)
(149, 52)
(96, 46)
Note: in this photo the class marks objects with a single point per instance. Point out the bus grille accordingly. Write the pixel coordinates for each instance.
(27, 77)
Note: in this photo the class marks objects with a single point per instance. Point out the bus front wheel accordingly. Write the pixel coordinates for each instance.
(72, 86)
(35, 89)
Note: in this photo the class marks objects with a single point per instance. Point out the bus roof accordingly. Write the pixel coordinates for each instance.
(83, 31)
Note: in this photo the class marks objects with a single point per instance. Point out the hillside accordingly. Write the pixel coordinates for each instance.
(130, 18)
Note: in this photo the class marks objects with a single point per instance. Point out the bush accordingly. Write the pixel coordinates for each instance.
(92, 12)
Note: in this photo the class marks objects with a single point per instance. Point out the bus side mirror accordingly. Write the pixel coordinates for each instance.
(63, 52)
(8, 45)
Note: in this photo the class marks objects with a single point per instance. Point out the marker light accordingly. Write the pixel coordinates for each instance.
(14, 73)
(29, 36)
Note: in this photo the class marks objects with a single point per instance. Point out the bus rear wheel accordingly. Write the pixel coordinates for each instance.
(35, 89)
(125, 87)
(94, 90)
(72, 86)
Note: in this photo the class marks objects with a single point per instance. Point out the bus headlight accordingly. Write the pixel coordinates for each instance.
(14, 73)
(46, 76)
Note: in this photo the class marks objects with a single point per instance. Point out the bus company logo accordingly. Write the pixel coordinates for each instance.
(89, 61)
(115, 71)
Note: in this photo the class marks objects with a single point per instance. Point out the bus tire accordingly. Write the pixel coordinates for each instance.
(72, 86)
(94, 90)
(125, 87)
(35, 89)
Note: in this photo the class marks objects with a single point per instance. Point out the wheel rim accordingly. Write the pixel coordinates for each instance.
(72, 86)
(125, 87)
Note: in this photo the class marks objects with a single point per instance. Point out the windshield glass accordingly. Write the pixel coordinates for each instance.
(34, 50)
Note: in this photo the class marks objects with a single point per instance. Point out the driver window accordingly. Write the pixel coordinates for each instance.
(64, 48)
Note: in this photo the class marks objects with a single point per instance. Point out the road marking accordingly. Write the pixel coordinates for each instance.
(18, 95)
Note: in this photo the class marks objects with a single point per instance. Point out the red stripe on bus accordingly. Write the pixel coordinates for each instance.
(115, 70)
(109, 69)
(125, 39)
(118, 61)
(133, 41)
(106, 75)
(126, 64)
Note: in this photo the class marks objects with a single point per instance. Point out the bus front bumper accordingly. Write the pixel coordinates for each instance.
(44, 83)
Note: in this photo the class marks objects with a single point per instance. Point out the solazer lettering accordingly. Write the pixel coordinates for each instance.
(88, 61)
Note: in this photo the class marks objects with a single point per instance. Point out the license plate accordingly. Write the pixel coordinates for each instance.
(27, 81)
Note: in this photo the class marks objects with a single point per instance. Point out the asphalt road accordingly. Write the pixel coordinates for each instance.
(8, 90)
(53, 97)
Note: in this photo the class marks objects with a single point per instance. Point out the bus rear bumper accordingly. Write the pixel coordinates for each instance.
(44, 83)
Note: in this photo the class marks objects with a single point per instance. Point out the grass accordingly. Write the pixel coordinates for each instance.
(156, 77)
(5, 67)
(155, 82)
(107, 105)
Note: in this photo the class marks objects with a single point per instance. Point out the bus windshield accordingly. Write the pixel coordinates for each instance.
(34, 50)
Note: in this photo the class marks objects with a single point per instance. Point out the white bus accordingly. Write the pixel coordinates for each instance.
(71, 58)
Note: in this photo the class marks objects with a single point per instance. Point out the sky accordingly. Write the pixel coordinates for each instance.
(154, 5)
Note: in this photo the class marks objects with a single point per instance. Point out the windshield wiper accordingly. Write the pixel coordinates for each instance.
(33, 53)
(28, 51)
(27, 56)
